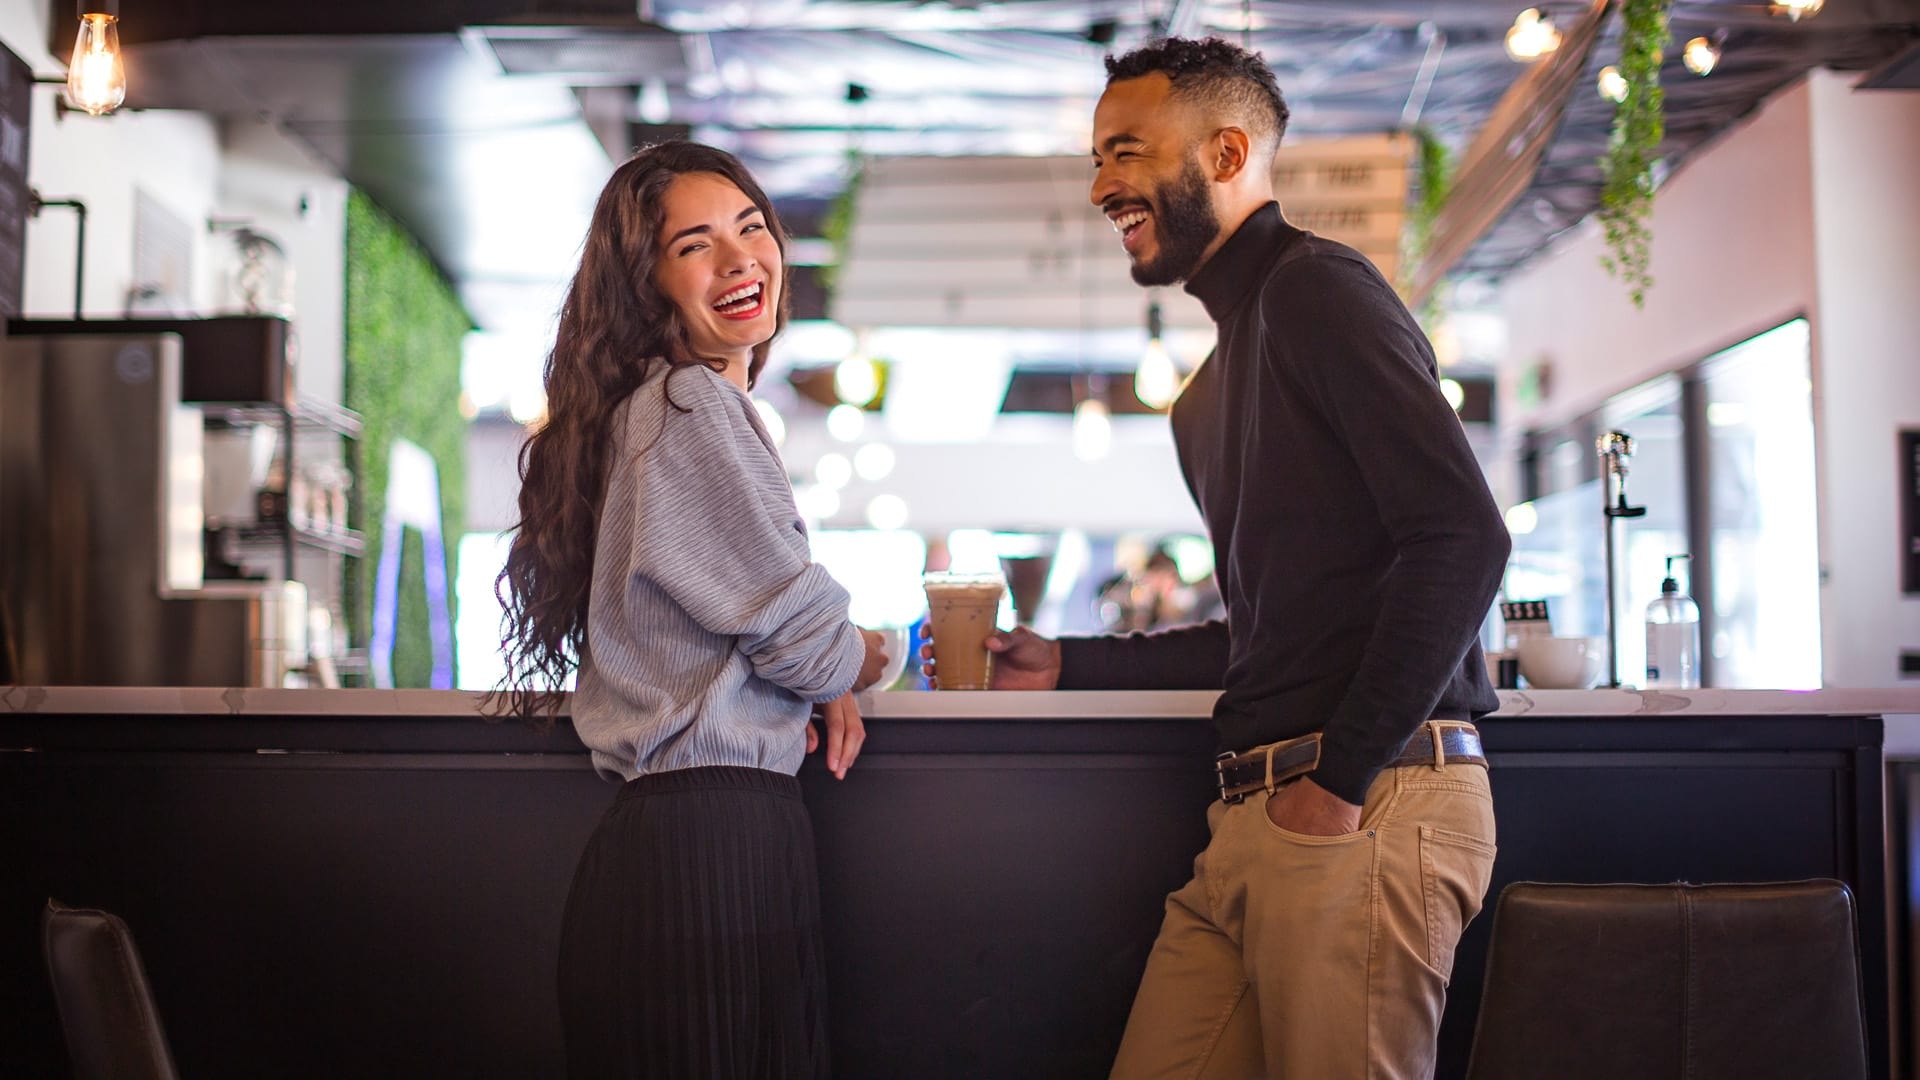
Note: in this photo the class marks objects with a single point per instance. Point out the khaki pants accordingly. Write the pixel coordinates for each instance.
(1317, 958)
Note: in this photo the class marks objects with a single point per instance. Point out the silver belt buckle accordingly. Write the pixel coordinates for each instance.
(1220, 776)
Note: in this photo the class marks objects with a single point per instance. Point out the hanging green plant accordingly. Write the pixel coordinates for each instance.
(1434, 176)
(1639, 123)
(836, 225)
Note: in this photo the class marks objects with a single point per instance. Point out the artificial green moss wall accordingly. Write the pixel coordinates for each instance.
(403, 334)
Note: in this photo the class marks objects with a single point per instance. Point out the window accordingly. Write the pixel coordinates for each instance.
(1724, 464)
(1763, 538)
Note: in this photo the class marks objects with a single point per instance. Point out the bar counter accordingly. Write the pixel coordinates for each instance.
(366, 882)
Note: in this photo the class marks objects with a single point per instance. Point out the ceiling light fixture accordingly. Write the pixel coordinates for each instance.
(816, 502)
(833, 471)
(1701, 56)
(857, 378)
(846, 422)
(1092, 430)
(874, 462)
(528, 406)
(887, 512)
(1532, 36)
(1613, 85)
(1155, 382)
(1522, 518)
(771, 420)
(96, 79)
(1796, 10)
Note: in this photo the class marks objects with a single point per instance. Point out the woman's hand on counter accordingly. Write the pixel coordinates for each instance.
(846, 731)
(1022, 660)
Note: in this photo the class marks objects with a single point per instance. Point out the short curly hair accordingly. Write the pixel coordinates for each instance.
(1217, 75)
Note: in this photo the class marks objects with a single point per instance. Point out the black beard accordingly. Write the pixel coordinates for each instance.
(1184, 224)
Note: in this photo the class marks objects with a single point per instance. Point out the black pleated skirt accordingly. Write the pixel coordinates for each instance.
(691, 944)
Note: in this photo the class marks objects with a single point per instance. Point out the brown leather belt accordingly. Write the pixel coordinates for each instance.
(1263, 768)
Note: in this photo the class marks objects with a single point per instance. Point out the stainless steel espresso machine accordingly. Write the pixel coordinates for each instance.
(146, 531)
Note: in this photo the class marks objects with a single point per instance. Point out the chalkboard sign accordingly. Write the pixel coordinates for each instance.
(16, 103)
(1910, 512)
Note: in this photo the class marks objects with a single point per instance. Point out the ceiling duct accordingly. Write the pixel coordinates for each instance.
(583, 55)
(1902, 72)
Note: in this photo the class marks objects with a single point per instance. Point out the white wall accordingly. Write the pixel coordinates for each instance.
(172, 156)
(1866, 217)
(278, 188)
(1732, 255)
(96, 160)
(196, 168)
(1806, 208)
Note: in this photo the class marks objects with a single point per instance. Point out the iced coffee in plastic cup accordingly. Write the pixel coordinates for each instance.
(962, 610)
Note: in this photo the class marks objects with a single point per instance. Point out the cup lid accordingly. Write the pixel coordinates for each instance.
(948, 577)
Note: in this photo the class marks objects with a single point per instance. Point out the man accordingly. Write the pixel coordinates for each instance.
(1358, 550)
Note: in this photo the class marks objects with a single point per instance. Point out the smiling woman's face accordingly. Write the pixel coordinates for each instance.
(719, 264)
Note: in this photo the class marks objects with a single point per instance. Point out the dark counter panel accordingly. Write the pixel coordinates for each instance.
(382, 896)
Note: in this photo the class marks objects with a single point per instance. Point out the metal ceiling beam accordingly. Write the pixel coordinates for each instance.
(152, 23)
(388, 93)
(1501, 162)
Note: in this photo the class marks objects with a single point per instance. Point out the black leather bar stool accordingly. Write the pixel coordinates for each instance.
(1657, 981)
(106, 1009)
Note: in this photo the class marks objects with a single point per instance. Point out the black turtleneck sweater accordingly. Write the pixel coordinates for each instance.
(1355, 542)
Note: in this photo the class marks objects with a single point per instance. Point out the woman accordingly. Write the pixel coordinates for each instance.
(660, 554)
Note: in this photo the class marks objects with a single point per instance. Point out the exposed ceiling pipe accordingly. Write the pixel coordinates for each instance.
(1436, 40)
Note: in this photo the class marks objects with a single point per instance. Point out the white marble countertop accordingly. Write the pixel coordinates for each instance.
(1062, 705)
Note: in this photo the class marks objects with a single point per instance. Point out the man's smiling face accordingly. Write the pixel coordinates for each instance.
(1148, 181)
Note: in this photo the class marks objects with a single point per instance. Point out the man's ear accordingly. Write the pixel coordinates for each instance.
(1228, 154)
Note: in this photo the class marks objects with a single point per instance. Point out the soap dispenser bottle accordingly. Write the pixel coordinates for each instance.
(1673, 637)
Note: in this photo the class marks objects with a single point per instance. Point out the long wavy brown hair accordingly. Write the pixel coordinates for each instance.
(616, 328)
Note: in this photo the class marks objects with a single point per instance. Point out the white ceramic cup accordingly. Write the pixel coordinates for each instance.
(1561, 663)
(897, 640)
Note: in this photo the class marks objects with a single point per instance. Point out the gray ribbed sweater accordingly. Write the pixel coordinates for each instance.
(709, 630)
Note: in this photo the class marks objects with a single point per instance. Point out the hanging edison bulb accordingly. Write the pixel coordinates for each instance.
(855, 381)
(1531, 36)
(96, 79)
(1613, 85)
(1092, 430)
(1701, 56)
(1155, 382)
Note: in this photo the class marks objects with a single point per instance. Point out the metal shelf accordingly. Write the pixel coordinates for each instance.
(349, 542)
(312, 415)
(308, 415)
